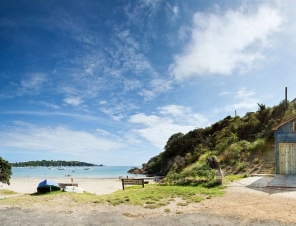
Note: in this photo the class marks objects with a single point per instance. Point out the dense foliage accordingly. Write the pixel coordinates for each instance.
(5, 171)
(232, 140)
(51, 163)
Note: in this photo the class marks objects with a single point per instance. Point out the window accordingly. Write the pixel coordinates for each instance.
(294, 126)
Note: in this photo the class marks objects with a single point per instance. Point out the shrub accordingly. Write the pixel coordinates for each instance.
(204, 172)
(259, 145)
(242, 165)
(256, 160)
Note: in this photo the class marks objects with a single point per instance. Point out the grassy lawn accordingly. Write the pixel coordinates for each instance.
(6, 192)
(233, 177)
(152, 196)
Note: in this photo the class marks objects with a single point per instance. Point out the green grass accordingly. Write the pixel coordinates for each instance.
(152, 196)
(7, 192)
(233, 177)
(155, 196)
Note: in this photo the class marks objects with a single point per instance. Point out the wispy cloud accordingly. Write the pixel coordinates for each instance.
(155, 87)
(223, 42)
(34, 81)
(173, 13)
(103, 102)
(118, 110)
(127, 51)
(47, 104)
(223, 93)
(142, 9)
(45, 113)
(31, 84)
(74, 101)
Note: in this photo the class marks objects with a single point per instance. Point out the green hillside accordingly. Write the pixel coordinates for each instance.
(237, 143)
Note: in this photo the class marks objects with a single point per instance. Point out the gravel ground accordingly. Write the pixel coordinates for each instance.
(17, 216)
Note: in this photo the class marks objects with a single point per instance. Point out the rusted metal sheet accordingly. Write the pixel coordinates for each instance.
(287, 154)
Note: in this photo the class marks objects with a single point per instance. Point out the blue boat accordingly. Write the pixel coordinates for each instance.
(48, 186)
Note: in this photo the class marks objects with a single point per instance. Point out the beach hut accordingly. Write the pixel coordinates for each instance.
(285, 147)
(48, 186)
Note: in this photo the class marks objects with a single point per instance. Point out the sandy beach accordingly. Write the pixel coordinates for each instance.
(96, 186)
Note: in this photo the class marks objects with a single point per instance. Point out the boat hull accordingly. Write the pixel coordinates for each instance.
(73, 189)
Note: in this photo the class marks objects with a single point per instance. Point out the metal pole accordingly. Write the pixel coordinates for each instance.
(286, 98)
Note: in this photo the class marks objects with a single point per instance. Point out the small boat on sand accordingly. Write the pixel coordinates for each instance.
(48, 186)
(73, 189)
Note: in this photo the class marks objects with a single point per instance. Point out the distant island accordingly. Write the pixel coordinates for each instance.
(51, 163)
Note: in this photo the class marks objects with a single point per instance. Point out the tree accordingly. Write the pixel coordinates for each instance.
(5, 171)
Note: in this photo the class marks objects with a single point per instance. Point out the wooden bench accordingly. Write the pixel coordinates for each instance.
(63, 185)
(132, 182)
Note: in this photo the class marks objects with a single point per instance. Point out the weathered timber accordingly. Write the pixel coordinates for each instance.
(63, 185)
(132, 182)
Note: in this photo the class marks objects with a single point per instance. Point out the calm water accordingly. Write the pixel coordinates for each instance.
(74, 172)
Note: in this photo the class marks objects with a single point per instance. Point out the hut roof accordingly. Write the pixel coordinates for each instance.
(283, 123)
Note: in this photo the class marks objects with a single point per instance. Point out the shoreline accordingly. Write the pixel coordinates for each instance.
(98, 186)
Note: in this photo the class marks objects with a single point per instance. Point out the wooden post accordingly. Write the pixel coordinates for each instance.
(219, 176)
(122, 184)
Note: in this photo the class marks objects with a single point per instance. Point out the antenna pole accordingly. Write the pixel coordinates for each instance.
(286, 98)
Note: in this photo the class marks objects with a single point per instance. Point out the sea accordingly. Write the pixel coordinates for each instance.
(73, 172)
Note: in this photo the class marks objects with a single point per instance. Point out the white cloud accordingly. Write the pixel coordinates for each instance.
(222, 43)
(171, 119)
(244, 100)
(225, 93)
(244, 94)
(103, 102)
(60, 139)
(147, 94)
(142, 118)
(105, 133)
(75, 101)
(173, 110)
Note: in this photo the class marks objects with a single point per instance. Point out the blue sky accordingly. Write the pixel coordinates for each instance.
(108, 82)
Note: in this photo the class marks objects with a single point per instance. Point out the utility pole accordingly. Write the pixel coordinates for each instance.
(286, 99)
